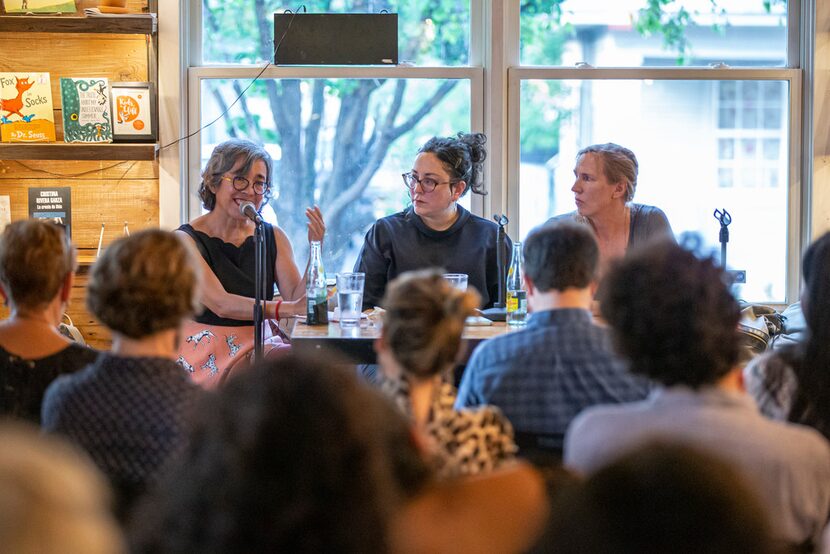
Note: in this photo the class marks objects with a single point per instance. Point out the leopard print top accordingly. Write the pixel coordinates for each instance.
(465, 442)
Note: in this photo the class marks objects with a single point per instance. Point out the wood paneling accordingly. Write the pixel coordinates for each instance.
(77, 24)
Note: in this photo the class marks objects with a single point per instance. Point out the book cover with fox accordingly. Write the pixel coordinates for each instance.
(87, 116)
(26, 107)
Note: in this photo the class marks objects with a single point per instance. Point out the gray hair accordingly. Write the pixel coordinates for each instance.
(222, 160)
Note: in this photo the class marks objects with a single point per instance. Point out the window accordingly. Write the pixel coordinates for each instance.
(340, 136)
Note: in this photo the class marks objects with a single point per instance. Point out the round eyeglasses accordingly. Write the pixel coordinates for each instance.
(428, 184)
(241, 183)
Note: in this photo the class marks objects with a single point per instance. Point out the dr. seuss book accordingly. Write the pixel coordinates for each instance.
(39, 6)
(26, 107)
(87, 116)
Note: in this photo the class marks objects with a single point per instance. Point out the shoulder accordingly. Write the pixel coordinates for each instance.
(649, 215)
(391, 223)
(570, 216)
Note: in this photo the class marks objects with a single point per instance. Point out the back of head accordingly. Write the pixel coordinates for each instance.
(661, 498)
(424, 320)
(289, 457)
(144, 283)
(51, 499)
(560, 256)
(619, 165)
(672, 315)
(463, 157)
(35, 258)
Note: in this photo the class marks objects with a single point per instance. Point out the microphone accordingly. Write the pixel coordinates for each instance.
(249, 210)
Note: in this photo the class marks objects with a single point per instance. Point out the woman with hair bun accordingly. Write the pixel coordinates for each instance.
(417, 350)
(435, 231)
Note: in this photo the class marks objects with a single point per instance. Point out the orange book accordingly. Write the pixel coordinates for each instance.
(26, 107)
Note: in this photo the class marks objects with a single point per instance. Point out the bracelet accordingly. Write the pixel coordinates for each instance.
(277, 310)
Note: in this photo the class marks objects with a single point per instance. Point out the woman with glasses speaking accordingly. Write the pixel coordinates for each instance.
(434, 231)
(238, 172)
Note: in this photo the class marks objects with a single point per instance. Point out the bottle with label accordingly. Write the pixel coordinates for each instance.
(317, 310)
(516, 295)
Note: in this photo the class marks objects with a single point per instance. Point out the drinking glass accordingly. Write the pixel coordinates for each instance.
(457, 280)
(350, 297)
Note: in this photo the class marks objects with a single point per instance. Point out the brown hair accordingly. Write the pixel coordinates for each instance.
(35, 258)
(144, 284)
(424, 320)
(619, 165)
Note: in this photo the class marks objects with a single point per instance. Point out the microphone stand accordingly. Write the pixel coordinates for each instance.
(499, 310)
(725, 219)
(259, 287)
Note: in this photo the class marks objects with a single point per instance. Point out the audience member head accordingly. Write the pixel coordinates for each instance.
(144, 284)
(462, 157)
(811, 402)
(560, 256)
(424, 320)
(36, 264)
(661, 498)
(52, 501)
(619, 165)
(223, 158)
(291, 456)
(672, 315)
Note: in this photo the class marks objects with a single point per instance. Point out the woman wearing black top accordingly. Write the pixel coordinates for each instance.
(37, 266)
(435, 231)
(237, 172)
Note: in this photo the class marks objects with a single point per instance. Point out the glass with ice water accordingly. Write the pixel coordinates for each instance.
(350, 297)
(457, 280)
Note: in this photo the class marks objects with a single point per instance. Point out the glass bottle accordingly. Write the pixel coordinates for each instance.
(516, 295)
(317, 311)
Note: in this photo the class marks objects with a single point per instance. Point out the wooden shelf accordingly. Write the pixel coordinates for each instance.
(134, 24)
(73, 151)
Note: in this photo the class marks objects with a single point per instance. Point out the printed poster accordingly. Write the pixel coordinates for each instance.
(52, 203)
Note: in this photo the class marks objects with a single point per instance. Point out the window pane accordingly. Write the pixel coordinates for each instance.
(690, 164)
(430, 32)
(633, 33)
(338, 143)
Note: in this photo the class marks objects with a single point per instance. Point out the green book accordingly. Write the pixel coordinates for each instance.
(87, 114)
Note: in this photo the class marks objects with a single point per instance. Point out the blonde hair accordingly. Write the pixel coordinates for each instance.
(35, 259)
(424, 320)
(145, 283)
(52, 500)
(619, 165)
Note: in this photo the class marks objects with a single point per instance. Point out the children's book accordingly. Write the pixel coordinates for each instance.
(39, 6)
(26, 107)
(87, 116)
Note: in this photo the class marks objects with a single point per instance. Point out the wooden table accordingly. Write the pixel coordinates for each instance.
(356, 342)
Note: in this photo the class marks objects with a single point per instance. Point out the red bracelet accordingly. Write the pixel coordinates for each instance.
(277, 310)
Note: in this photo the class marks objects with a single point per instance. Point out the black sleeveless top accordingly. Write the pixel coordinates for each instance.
(234, 267)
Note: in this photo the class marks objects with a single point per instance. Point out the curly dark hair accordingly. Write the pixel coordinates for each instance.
(222, 160)
(662, 498)
(672, 315)
(292, 456)
(561, 255)
(463, 157)
(144, 283)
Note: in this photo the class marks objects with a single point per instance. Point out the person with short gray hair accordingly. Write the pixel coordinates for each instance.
(130, 410)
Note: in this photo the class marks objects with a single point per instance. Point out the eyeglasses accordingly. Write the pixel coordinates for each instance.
(428, 184)
(241, 183)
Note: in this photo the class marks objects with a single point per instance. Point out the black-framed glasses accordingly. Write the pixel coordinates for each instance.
(428, 184)
(241, 183)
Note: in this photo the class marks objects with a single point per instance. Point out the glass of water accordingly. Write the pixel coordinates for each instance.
(350, 297)
(457, 280)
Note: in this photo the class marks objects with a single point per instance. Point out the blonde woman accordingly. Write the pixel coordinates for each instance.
(417, 350)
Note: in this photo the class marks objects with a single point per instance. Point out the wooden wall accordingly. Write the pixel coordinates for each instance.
(108, 192)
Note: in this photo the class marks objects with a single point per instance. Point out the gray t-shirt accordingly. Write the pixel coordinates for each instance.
(647, 222)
